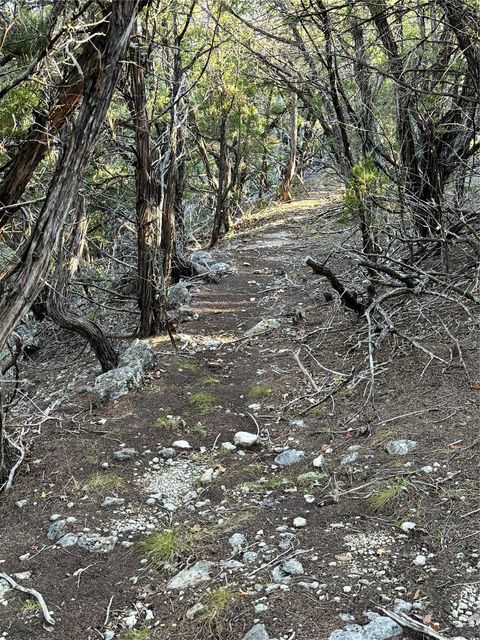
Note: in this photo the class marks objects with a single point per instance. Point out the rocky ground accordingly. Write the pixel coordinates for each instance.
(223, 500)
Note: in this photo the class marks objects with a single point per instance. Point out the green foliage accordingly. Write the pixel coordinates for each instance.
(198, 429)
(29, 605)
(204, 402)
(310, 479)
(259, 391)
(170, 422)
(103, 483)
(217, 604)
(25, 34)
(16, 110)
(165, 546)
(388, 494)
(186, 365)
(365, 183)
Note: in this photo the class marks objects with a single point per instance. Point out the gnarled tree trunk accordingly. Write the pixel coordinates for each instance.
(148, 211)
(30, 271)
(58, 308)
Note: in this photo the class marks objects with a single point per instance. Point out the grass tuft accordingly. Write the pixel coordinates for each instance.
(170, 422)
(259, 391)
(310, 479)
(103, 483)
(204, 402)
(29, 606)
(186, 365)
(164, 547)
(198, 429)
(218, 603)
(388, 494)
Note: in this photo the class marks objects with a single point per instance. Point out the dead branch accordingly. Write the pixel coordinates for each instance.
(415, 626)
(33, 592)
(305, 372)
(346, 296)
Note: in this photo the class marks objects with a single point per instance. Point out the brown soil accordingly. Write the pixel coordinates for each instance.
(440, 412)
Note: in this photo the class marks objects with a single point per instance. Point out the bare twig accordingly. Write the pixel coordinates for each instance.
(409, 623)
(33, 592)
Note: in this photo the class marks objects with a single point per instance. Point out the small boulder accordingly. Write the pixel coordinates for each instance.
(185, 313)
(127, 453)
(351, 456)
(132, 364)
(400, 447)
(181, 444)
(200, 572)
(96, 543)
(57, 530)
(245, 439)
(257, 632)
(238, 542)
(299, 522)
(289, 457)
(117, 383)
(194, 611)
(292, 567)
(202, 257)
(178, 295)
(112, 501)
(168, 453)
(222, 269)
(379, 628)
(69, 540)
(138, 353)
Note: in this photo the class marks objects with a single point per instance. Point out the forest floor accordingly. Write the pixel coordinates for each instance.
(318, 545)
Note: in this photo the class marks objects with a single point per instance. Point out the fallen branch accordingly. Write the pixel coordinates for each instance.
(346, 296)
(415, 626)
(304, 370)
(33, 592)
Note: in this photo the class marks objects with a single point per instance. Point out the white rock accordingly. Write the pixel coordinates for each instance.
(319, 461)
(245, 439)
(181, 444)
(407, 526)
(207, 476)
(420, 560)
(299, 522)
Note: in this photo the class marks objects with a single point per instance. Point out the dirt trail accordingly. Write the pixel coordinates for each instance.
(374, 526)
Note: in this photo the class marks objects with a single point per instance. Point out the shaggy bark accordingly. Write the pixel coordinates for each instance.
(148, 211)
(58, 308)
(35, 260)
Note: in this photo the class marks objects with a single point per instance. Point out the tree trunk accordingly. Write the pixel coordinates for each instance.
(286, 188)
(32, 151)
(148, 211)
(57, 306)
(221, 215)
(35, 261)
